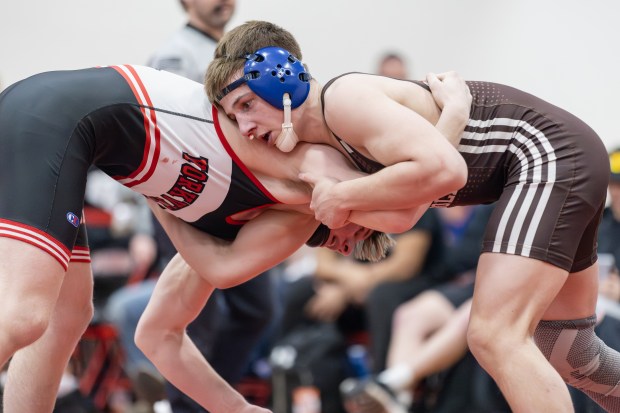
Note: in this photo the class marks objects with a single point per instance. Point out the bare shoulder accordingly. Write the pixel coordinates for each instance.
(363, 84)
(357, 106)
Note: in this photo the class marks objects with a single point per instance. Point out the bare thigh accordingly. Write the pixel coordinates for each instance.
(577, 298)
(29, 277)
(512, 292)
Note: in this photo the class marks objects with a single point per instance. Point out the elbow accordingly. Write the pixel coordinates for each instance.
(222, 277)
(451, 175)
(403, 221)
(150, 336)
(458, 173)
(218, 275)
(223, 283)
(146, 338)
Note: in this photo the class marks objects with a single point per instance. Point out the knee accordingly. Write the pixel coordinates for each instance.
(75, 321)
(405, 315)
(485, 341)
(21, 328)
(571, 346)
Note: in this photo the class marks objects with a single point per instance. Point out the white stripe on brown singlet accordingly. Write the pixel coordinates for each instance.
(534, 145)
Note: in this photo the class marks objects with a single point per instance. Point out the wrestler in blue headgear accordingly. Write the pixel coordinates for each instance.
(279, 78)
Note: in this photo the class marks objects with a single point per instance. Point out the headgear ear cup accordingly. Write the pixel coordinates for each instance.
(271, 72)
(274, 72)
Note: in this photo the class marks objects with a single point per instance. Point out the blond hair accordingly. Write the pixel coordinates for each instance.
(374, 248)
(229, 55)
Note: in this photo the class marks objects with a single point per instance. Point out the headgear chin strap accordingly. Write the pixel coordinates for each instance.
(287, 139)
(271, 72)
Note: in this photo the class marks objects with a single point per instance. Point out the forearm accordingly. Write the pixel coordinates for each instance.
(452, 95)
(391, 222)
(179, 296)
(263, 242)
(451, 124)
(180, 361)
(404, 185)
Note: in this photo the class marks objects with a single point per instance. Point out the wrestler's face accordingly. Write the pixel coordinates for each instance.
(344, 239)
(255, 117)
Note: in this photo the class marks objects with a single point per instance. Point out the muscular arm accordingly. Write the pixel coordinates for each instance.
(421, 163)
(281, 175)
(453, 97)
(178, 298)
(262, 243)
(182, 292)
(329, 166)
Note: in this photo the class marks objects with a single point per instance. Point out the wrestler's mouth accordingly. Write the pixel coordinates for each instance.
(266, 137)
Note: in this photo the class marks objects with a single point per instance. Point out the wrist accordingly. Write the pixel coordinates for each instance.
(457, 114)
(342, 196)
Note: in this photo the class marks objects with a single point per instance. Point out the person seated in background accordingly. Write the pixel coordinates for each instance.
(361, 296)
(428, 332)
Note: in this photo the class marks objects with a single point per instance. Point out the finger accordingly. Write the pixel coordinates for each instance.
(431, 78)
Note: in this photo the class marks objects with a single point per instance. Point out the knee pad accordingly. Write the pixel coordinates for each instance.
(583, 360)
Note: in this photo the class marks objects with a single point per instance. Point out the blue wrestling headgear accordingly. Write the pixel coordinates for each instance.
(271, 72)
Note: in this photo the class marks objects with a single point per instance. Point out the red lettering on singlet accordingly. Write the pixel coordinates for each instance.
(201, 163)
(190, 183)
(187, 196)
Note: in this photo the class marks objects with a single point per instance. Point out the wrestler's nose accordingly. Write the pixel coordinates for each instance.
(246, 127)
(345, 246)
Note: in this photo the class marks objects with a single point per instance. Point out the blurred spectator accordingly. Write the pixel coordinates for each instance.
(189, 51)
(354, 297)
(393, 65)
(429, 331)
(430, 335)
(609, 230)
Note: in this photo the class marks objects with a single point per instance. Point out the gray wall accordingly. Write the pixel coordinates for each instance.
(565, 51)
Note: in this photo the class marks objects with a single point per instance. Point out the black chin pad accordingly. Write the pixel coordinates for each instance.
(319, 237)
